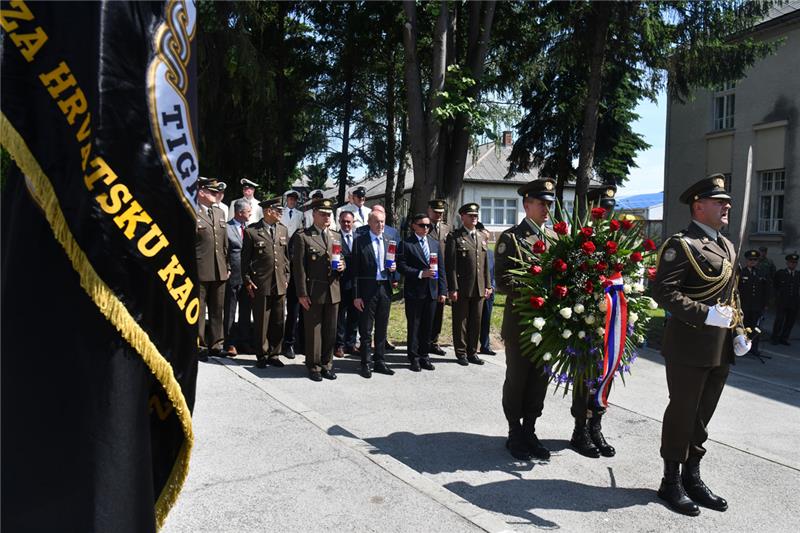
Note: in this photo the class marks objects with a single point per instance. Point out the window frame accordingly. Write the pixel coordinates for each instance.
(490, 208)
(773, 191)
(726, 95)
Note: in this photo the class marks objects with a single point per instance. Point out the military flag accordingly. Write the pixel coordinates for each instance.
(99, 302)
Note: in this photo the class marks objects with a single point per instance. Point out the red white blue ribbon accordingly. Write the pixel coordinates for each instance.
(616, 333)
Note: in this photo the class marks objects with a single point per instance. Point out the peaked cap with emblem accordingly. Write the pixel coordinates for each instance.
(360, 191)
(212, 184)
(247, 183)
(316, 193)
(543, 189)
(439, 206)
(271, 202)
(603, 195)
(710, 187)
(792, 257)
(752, 254)
(469, 209)
(292, 192)
(324, 205)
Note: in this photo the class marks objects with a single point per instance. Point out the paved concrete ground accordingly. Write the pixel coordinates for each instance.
(424, 452)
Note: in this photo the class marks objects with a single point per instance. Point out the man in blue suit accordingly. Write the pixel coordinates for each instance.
(488, 303)
(423, 288)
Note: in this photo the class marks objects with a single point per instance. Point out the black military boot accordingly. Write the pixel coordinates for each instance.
(535, 447)
(581, 441)
(595, 432)
(672, 491)
(697, 490)
(516, 442)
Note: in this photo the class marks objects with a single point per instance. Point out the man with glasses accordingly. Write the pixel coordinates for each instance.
(787, 300)
(424, 287)
(439, 231)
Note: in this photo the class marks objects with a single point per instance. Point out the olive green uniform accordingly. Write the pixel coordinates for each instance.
(439, 232)
(211, 248)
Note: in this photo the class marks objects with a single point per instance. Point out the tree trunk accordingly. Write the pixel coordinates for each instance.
(592, 107)
(348, 114)
(400, 188)
(391, 139)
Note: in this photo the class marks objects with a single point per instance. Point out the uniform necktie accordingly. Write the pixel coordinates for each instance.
(325, 237)
(424, 243)
(211, 214)
(347, 240)
(474, 238)
(272, 232)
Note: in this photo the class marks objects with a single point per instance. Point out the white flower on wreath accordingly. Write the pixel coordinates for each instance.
(638, 286)
(566, 334)
(581, 334)
(601, 331)
(578, 308)
(566, 312)
(652, 304)
(547, 356)
(539, 323)
(632, 317)
(626, 288)
(589, 319)
(602, 305)
(536, 338)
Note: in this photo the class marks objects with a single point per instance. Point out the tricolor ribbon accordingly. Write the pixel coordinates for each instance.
(614, 341)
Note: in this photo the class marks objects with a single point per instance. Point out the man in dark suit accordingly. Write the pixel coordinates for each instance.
(373, 293)
(347, 322)
(235, 293)
(754, 294)
(787, 300)
(439, 231)
(488, 304)
(423, 288)
(211, 249)
(695, 271)
(265, 269)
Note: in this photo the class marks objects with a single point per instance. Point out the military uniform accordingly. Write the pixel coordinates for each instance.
(467, 270)
(753, 295)
(265, 263)
(438, 232)
(525, 384)
(314, 278)
(211, 249)
(787, 301)
(694, 272)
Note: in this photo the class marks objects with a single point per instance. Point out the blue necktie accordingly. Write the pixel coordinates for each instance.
(379, 242)
(424, 244)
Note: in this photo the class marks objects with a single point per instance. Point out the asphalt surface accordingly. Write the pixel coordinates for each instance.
(275, 451)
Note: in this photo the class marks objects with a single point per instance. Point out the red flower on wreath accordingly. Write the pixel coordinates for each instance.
(614, 225)
(651, 273)
(559, 265)
(598, 213)
(649, 245)
(560, 291)
(587, 232)
(636, 257)
(537, 302)
(588, 287)
(588, 247)
(584, 266)
(539, 247)
(602, 266)
(618, 267)
(611, 247)
(606, 282)
(560, 228)
(627, 224)
(536, 270)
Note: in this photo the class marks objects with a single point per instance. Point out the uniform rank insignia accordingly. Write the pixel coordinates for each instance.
(669, 254)
(501, 248)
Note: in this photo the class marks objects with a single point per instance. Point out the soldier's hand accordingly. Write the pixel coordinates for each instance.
(340, 268)
(393, 267)
(251, 289)
(442, 298)
(741, 345)
(427, 273)
(720, 316)
(358, 303)
(487, 292)
(453, 296)
(395, 284)
(305, 301)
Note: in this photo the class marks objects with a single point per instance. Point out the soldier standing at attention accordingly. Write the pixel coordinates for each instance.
(694, 272)
(317, 287)
(787, 300)
(753, 293)
(526, 384)
(439, 231)
(265, 271)
(468, 283)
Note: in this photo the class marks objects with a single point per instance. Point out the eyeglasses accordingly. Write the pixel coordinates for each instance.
(428, 226)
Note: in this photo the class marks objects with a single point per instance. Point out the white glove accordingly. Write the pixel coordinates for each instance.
(720, 316)
(741, 345)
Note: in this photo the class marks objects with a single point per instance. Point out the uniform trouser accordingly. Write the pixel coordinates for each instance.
(525, 386)
(583, 404)
(467, 325)
(375, 315)
(320, 335)
(269, 322)
(693, 396)
(784, 320)
(211, 293)
(486, 320)
(293, 330)
(751, 319)
(436, 327)
(347, 322)
(419, 317)
(236, 296)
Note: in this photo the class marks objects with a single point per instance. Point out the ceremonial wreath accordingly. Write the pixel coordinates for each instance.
(581, 298)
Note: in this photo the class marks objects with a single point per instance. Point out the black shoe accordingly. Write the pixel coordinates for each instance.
(261, 362)
(274, 361)
(697, 490)
(365, 371)
(435, 348)
(581, 442)
(381, 368)
(202, 355)
(328, 374)
(315, 376)
(672, 491)
(596, 434)
(516, 444)
(288, 353)
(389, 346)
(349, 350)
(415, 366)
(474, 359)
(461, 360)
(487, 351)
(785, 343)
(218, 353)
(535, 447)
(427, 365)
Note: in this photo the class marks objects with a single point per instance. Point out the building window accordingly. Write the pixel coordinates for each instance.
(724, 106)
(499, 211)
(770, 201)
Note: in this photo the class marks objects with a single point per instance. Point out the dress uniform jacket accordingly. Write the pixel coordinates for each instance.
(311, 264)
(265, 260)
(693, 273)
(753, 290)
(467, 265)
(211, 245)
(439, 232)
(787, 289)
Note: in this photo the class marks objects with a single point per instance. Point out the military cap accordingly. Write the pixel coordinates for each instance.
(604, 196)
(324, 205)
(212, 184)
(360, 191)
(710, 187)
(543, 189)
(752, 254)
(292, 192)
(316, 193)
(438, 206)
(271, 202)
(469, 209)
(247, 183)
(792, 257)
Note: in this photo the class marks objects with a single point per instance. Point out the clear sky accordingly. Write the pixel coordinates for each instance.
(652, 124)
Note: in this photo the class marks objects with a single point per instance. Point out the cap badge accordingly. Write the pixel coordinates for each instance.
(548, 185)
(718, 182)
